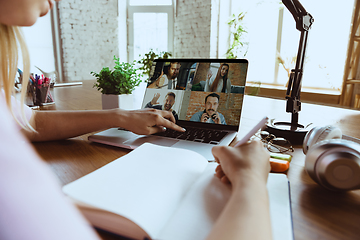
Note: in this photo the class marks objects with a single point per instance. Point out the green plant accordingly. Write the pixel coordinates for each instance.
(236, 34)
(148, 59)
(122, 80)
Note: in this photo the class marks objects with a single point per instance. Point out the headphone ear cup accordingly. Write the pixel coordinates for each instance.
(334, 164)
(319, 134)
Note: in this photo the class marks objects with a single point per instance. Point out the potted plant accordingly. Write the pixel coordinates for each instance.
(117, 85)
(147, 60)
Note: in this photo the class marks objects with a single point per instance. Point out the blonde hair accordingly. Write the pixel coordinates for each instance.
(11, 39)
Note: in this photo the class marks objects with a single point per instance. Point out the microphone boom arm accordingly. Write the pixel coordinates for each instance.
(303, 21)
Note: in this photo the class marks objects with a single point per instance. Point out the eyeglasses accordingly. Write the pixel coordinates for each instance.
(275, 144)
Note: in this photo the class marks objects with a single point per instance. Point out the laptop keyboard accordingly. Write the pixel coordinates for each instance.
(202, 135)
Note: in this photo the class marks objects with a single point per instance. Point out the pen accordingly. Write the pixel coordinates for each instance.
(31, 79)
(261, 124)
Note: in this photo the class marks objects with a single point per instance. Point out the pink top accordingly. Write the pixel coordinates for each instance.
(16, 106)
(32, 205)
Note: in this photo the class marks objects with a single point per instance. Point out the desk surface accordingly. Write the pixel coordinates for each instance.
(317, 212)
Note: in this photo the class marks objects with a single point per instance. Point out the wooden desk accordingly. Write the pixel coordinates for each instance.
(317, 212)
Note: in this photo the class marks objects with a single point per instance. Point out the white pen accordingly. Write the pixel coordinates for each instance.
(247, 137)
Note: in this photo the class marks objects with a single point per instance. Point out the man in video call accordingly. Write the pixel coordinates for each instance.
(168, 80)
(210, 113)
(168, 103)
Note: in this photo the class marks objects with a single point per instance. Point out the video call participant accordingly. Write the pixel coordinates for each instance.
(220, 82)
(210, 113)
(169, 101)
(168, 80)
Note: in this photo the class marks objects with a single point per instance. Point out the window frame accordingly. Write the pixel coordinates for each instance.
(169, 9)
(274, 89)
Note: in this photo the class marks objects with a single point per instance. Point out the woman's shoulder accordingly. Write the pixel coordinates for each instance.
(228, 82)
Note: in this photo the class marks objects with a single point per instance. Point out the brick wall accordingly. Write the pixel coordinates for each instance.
(89, 36)
(237, 73)
(195, 34)
(229, 105)
(201, 73)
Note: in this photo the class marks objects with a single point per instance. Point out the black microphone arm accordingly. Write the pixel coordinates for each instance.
(293, 131)
(303, 20)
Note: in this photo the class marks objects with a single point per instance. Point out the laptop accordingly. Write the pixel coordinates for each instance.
(204, 95)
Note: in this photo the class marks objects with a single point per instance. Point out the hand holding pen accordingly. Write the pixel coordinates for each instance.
(243, 159)
(249, 156)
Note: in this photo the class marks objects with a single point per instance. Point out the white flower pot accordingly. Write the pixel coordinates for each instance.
(138, 94)
(123, 101)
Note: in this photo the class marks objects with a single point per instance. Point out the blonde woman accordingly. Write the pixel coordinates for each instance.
(31, 203)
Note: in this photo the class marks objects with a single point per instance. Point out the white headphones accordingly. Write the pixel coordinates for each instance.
(332, 159)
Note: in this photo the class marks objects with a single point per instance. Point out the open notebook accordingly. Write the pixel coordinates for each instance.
(166, 193)
(187, 88)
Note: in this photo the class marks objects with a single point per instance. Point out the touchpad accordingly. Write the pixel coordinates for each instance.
(167, 142)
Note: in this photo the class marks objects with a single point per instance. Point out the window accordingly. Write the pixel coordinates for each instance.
(272, 36)
(150, 32)
(150, 26)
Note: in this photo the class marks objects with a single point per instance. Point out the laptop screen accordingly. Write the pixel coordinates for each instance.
(208, 91)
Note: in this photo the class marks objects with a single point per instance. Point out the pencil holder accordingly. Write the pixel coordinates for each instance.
(39, 95)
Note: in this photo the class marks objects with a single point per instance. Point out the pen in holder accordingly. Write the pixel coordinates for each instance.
(30, 95)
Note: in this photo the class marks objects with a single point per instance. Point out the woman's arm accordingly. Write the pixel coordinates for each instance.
(246, 215)
(208, 83)
(31, 201)
(228, 86)
(55, 125)
(207, 86)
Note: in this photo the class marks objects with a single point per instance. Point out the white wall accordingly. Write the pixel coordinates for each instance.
(39, 41)
(223, 37)
(122, 33)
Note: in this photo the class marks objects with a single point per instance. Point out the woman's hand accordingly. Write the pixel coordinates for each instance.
(236, 164)
(246, 215)
(147, 121)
